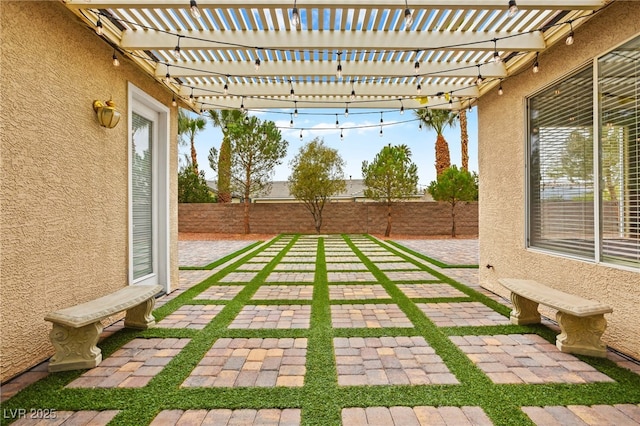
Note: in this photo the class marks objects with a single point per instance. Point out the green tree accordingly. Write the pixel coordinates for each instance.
(188, 127)
(192, 186)
(221, 161)
(257, 148)
(316, 174)
(391, 176)
(438, 120)
(454, 186)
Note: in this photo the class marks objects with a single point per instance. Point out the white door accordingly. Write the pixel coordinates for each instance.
(148, 191)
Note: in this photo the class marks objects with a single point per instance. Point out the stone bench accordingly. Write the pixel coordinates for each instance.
(76, 329)
(581, 320)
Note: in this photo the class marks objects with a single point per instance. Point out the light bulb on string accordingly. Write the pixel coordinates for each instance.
(408, 17)
(242, 105)
(496, 56)
(419, 88)
(341, 135)
(480, 79)
(257, 64)
(99, 28)
(176, 52)
(346, 110)
(339, 67)
(291, 121)
(195, 12)
(416, 67)
(381, 120)
(116, 62)
(353, 94)
(295, 111)
(513, 8)
(167, 78)
(295, 16)
(401, 107)
(536, 65)
(500, 92)
(191, 95)
(337, 122)
(225, 90)
(569, 41)
(300, 134)
(420, 126)
(380, 131)
(246, 119)
(174, 102)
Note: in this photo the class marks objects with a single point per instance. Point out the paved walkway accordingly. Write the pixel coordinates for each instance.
(330, 331)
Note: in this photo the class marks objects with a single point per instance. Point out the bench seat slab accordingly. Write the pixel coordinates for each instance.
(581, 335)
(75, 347)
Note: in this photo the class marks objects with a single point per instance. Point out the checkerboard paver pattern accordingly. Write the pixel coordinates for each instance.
(291, 277)
(409, 276)
(619, 414)
(399, 360)
(357, 292)
(261, 258)
(273, 316)
(473, 314)
(344, 266)
(253, 362)
(284, 292)
(429, 291)
(258, 266)
(202, 253)
(466, 276)
(191, 316)
(368, 315)
(298, 259)
(412, 416)
(189, 278)
(238, 277)
(133, 365)
(93, 418)
(220, 292)
(223, 417)
(341, 277)
(525, 358)
(341, 259)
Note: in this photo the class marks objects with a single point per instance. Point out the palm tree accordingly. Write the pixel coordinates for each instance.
(190, 126)
(438, 119)
(464, 140)
(222, 118)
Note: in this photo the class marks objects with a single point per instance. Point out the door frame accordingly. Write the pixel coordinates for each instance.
(160, 168)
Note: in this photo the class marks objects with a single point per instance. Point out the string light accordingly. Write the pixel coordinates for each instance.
(353, 94)
(536, 66)
(569, 40)
(480, 79)
(257, 64)
(116, 62)
(242, 105)
(99, 28)
(416, 65)
(167, 77)
(225, 90)
(295, 16)
(291, 121)
(496, 56)
(380, 131)
(337, 122)
(401, 107)
(341, 135)
(246, 119)
(292, 93)
(301, 134)
(195, 12)
(339, 67)
(174, 102)
(408, 18)
(176, 51)
(500, 91)
(191, 95)
(295, 111)
(513, 8)
(346, 110)
(420, 125)
(419, 88)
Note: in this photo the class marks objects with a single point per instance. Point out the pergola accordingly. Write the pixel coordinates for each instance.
(264, 54)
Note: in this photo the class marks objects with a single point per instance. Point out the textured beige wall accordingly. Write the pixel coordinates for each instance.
(64, 178)
(502, 185)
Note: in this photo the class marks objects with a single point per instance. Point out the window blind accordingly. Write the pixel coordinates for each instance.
(142, 196)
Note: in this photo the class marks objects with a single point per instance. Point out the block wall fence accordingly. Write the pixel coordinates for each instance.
(408, 218)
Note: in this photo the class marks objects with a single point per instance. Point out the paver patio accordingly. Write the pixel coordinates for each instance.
(288, 342)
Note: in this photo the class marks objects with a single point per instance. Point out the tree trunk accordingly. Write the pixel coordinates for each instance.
(453, 220)
(387, 232)
(194, 157)
(443, 160)
(318, 223)
(247, 229)
(224, 171)
(464, 140)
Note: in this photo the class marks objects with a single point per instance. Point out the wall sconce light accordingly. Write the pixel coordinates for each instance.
(106, 113)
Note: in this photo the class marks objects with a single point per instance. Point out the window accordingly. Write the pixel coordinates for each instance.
(584, 161)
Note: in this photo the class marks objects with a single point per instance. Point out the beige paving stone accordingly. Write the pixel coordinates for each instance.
(273, 316)
(238, 277)
(368, 315)
(357, 292)
(220, 292)
(460, 314)
(400, 276)
(412, 416)
(419, 291)
(191, 316)
(290, 277)
(336, 277)
(284, 292)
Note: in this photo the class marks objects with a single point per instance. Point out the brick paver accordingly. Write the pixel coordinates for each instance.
(421, 415)
(368, 315)
(344, 266)
(452, 252)
(385, 258)
(620, 414)
(342, 277)
(238, 277)
(409, 276)
(133, 365)
(357, 292)
(191, 316)
(256, 266)
(189, 278)
(291, 277)
(397, 266)
(474, 314)
(389, 361)
(429, 291)
(220, 292)
(298, 259)
(224, 417)
(341, 259)
(251, 362)
(284, 292)
(295, 267)
(525, 358)
(202, 253)
(273, 316)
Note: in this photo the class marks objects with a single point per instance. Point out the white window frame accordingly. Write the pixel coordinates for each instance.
(137, 98)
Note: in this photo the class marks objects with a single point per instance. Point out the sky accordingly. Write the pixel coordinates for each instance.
(362, 140)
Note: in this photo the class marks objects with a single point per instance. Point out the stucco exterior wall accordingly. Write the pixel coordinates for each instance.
(64, 192)
(501, 158)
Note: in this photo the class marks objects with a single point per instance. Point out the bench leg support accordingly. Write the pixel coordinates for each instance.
(524, 311)
(140, 316)
(581, 335)
(75, 347)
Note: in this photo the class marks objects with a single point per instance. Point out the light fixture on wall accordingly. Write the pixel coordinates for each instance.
(107, 114)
